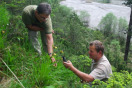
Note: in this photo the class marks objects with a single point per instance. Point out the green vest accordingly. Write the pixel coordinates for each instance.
(28, 17)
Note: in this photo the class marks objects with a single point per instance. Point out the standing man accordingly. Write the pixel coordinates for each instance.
(100, 69)
(37, 18)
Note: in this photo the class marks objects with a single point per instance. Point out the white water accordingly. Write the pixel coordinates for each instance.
(97, 10)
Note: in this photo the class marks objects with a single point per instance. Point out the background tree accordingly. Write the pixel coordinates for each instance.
(129, 33)
(108, 25)
(121, 32)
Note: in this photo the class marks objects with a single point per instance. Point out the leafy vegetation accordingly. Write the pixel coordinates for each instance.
(71, 37)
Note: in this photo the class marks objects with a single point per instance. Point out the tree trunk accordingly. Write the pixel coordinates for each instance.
(128, 41)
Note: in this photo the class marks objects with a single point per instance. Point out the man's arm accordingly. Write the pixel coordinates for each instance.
(49, 39)
(34, 28)
(85, 77)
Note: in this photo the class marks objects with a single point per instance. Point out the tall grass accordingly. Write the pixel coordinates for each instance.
(1, 42)
(4, 21)
(42, 71)
(4, 17)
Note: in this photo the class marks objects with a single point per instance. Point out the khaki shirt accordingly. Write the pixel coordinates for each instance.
(28, 17)
(101, 69)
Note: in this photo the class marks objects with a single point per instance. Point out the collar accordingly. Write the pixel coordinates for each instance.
(98, 60)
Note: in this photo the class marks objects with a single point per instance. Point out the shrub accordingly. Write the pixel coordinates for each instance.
(85, 62)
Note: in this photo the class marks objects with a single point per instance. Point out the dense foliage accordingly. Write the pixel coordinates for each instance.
(71, 37)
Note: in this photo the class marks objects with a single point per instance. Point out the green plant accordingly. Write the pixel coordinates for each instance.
(1, 41)
(118, 79)
(4, 17)
(122, 30)
(4, 21)
(115, 55)
(108, 24)
(85, 18)
(85, 62)
(42, 73)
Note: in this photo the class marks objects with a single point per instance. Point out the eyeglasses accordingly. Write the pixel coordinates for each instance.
(43, 17)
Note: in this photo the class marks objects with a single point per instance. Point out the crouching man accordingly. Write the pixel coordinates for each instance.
(100, 69)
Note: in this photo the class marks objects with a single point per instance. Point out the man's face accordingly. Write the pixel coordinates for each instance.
(42, 17)
(93, 53)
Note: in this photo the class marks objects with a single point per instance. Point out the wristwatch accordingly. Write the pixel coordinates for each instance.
(49, 54)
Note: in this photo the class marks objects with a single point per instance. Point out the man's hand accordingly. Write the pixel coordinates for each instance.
(53, 31)
(53, 60)
(68, 64)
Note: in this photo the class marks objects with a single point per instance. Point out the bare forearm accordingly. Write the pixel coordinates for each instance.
(49, 45)
(85, 77)
(34, 28)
